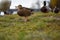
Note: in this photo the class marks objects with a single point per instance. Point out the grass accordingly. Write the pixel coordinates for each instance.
(42, 26)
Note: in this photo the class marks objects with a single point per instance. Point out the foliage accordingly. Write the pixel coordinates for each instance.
(41, 26)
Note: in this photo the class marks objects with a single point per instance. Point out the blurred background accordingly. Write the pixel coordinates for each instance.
(29, 3)
(34, 5)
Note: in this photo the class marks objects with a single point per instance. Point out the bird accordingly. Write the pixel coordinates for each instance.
(44, 9)
(23, 12)
(56, 10)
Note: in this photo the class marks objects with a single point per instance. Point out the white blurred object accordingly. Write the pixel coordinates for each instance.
(15, 12)
(1, 13)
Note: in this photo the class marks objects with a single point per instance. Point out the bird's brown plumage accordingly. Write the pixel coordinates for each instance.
(23, 11)
(44, 9)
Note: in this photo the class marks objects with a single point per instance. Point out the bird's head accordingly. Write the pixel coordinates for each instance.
(20, 6)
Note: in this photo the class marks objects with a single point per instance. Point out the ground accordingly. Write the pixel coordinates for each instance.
(41, 26)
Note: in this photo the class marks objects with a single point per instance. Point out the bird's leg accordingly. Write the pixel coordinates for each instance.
(26, 18)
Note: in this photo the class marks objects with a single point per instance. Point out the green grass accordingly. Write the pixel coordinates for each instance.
(42, 26)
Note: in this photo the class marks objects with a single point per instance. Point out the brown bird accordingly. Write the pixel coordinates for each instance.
(23, 12)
